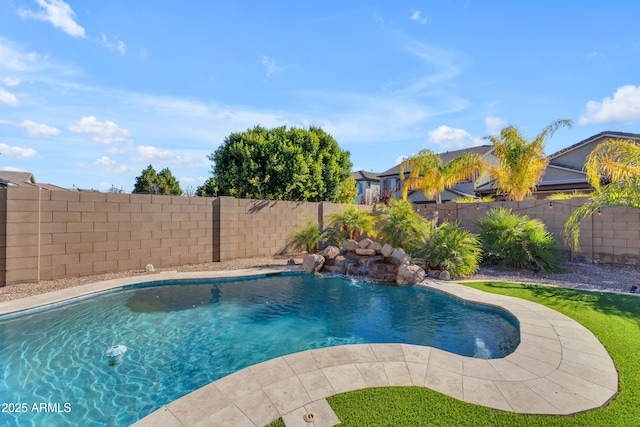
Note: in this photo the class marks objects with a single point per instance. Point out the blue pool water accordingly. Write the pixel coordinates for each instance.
(183, 336)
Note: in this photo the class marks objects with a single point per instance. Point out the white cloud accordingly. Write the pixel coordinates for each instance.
(417, 16)
(494, 125)
(271, 66)
(58, 13)
(623, 107)
(186, 180)
(143, 51)
(38, 129)
(7, 98)
(12, 169)
(11, 81)
(17, 152)
(400, 159)
(114, 43)
(106, 132)
(149, 153)
(112, 166)
(452, 138)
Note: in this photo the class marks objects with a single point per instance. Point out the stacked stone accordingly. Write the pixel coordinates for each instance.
(367, 258)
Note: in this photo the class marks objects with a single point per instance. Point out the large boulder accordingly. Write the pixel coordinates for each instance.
(365, 252)
(350, 245)
(444, 275)
(313, 263)
(364, 243)
(409, 275)
(330, 253)
(375, 246)
(399, 257)
(386, 250)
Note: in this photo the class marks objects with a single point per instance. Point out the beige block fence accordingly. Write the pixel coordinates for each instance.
(55, 234)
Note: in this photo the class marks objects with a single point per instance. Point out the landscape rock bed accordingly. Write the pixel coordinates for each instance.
(369, 259)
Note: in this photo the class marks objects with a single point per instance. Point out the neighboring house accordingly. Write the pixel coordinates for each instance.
(25, 179)
(565, 172)
(390, 179)
(368, 185)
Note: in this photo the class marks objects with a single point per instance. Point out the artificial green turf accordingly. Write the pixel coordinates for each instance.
(614, 319)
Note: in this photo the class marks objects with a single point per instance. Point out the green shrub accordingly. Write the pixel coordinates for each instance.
(451, 248)
(403, 227)
(567, 196)
(306, 237)
(353, 221)
(511, 240)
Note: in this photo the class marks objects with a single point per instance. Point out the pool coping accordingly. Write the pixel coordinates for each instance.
(559, 368)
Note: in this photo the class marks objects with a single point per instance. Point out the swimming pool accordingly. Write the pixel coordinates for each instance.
(184, 336)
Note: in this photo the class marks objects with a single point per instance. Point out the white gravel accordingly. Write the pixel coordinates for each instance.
(606, 277)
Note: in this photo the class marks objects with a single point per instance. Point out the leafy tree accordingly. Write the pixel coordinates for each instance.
(146, 180)
(353, 221)
(429, 174)
(168, 184)
(403, 227)
(613, 169)
(282, 164)
(347, 191)
(208, 188)
(522, 162)
(150, 182)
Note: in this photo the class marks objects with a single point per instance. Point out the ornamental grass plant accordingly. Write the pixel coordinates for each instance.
(516, 241)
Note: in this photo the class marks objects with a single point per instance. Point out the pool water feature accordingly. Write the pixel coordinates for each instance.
(185, 335)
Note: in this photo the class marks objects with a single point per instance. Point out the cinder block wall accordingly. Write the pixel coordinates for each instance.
(257, 228)
(55, 234)
(612, 236)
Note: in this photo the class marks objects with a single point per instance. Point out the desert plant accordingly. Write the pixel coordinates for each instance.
(511, 240)
(429, 174)
(522, 161)
(613, 169)
(402, 226)
(452, 248)
(353, 221)
(307, 237)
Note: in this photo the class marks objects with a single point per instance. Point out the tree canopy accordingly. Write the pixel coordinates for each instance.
(522, 161)
(429, 174)
(163, 182)
(281, 164)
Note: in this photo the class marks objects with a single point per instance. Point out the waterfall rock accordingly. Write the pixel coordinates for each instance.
(365, 252)
(350, 245)
(313, 263)
(364, 243)
(386, 250)
(409, 275)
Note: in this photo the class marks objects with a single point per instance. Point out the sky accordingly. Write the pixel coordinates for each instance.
(92, 92)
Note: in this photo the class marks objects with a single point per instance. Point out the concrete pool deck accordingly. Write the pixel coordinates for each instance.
(559, 367)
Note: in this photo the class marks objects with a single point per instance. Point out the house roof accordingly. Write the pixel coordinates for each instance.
(608, 133)
(445, 157)
(25, 179)
(365, 176)
(17, 179)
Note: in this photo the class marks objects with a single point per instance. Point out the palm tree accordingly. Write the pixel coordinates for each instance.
(613, 169)
(429, 174)
(522, 162)
(353, 221)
